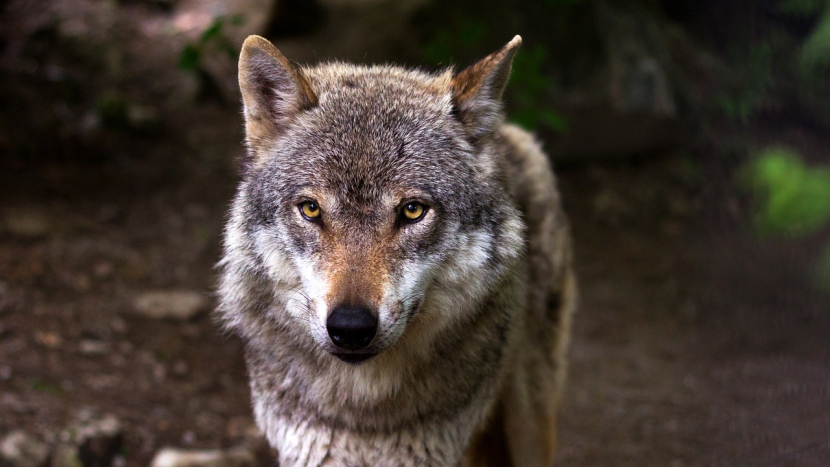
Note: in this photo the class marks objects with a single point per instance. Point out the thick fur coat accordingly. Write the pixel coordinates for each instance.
(472, 299)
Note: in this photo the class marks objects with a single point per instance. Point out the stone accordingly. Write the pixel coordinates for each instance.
(50, 340)
(92, 441)
(243, 429)
(638, 61)
(236, 457)
(142, 117)
(170, 304)
(65, 455)
(19, 449)
(5, 297)
(27, 222)
(93, 347)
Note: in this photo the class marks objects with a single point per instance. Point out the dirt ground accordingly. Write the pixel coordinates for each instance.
(695, 344)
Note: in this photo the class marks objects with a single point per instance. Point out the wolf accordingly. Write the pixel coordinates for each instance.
(398, 266)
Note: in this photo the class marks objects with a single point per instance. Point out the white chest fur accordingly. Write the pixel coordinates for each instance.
(305, 442)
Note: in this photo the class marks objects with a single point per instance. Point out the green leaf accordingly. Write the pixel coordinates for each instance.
(45, 386)
(801, 7)
(233, 54)
(471, 32)
(190, 58)
(437, 52)
(527, 71)
(822, 270)
(792, 198)
(815, 53)
(553, 120)
(527, 119)
(213, 31)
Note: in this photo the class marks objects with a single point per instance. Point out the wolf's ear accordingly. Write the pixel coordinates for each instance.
(477, 90)
(273, 90)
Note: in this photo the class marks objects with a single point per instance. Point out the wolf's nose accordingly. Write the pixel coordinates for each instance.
(352, 327)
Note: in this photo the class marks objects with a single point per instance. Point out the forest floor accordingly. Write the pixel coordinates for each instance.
(695, 343)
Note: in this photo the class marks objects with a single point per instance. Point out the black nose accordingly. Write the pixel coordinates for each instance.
(352, 327)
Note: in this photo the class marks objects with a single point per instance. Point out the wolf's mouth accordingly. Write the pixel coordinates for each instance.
(354, 358)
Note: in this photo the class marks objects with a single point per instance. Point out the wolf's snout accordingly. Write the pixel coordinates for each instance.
(352, 327)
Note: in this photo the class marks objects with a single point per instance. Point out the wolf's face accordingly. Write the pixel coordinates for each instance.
(370, 197)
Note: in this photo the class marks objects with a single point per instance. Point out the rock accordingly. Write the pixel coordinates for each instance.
(27, 222)
(93, 347)
(236, 457)
(638, 61)
(103, 270)
(142, 117)
(5, 297)
(631, 95)
(243, 429)
(118, 325)
(65, 455)
(50, 340)
(180, 368)
(18, 449)
(188, 438)
(172, 304)
(15, 404)
(93, 441)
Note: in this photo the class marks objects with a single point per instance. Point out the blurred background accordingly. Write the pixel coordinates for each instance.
(692, 147)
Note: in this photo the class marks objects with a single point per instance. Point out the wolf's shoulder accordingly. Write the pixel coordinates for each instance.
(530, 177)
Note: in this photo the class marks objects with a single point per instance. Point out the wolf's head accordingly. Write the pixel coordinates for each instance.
(372, 205)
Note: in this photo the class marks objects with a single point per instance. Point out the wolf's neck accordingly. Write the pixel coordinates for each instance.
(309, 443)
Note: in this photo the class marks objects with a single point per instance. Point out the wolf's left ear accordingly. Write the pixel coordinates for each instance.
(273, 90)
(477, 90)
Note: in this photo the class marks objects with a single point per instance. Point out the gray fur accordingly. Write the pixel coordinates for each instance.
(479, 283)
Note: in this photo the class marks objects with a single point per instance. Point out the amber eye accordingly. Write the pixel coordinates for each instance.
(414, 212)
(310, 210)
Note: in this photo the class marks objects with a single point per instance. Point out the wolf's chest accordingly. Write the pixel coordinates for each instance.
(308, 444)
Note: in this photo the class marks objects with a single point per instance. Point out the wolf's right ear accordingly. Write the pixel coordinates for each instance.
(273, 91)
(477, 90)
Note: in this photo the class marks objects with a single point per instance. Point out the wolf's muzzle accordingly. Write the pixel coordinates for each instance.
(352, 327)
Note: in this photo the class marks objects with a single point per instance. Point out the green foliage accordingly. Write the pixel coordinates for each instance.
(801, 7)
(792, 198)
(530, 88)
(744, 96)
(190, 58)
(822, 271)
(463, 38)
(815, 52)
(112, 108)
(47, 387)
(212, 39)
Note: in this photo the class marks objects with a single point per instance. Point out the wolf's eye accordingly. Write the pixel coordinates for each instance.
(310, 210)
(413, 212)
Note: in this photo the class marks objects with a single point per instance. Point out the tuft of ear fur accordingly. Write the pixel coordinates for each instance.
(273, 91)
(477, 90)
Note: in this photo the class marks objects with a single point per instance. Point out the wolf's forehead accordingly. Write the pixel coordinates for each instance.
(377, 126)
(380, 92)
(375, 131)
